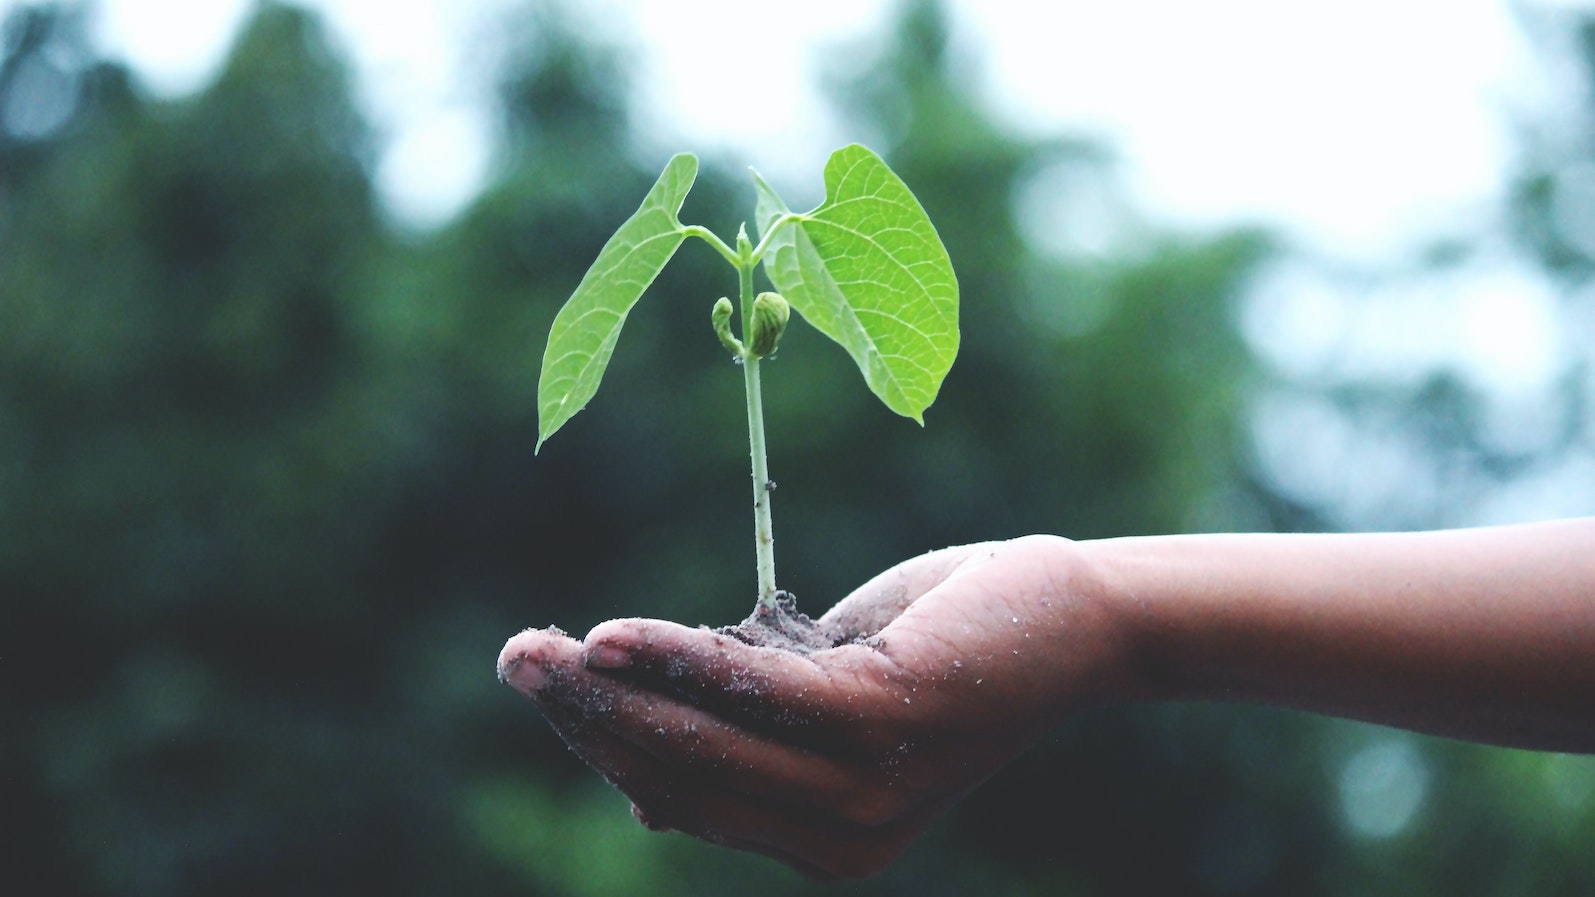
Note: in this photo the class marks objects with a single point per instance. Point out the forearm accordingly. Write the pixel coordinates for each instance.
(1486, 634)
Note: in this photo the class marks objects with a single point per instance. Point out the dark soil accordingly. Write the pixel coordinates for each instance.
(786, 628)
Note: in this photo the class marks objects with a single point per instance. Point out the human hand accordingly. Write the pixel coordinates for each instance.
(833, 762)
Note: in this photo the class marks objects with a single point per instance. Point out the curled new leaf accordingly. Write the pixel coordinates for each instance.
(720, 317)
(768, 322)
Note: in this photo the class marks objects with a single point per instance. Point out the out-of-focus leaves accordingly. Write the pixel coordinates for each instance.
(269, 505)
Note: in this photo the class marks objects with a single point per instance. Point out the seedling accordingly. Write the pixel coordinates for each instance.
(866, 268)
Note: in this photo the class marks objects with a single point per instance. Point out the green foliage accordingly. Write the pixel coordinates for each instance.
(267, 506)
(580, 845)
(771, 314)
(866, 266)
(868, 270)
(585, 330)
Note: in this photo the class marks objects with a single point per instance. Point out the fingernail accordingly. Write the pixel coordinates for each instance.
(519, 671)
(607, 657)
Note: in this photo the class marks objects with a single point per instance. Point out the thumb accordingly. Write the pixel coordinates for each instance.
(877, 603)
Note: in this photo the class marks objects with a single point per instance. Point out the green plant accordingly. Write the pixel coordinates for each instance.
(866, 268)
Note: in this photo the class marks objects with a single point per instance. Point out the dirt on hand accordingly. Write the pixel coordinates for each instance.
(785, 627)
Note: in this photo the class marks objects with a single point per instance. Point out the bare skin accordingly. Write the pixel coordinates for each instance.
(834, 762)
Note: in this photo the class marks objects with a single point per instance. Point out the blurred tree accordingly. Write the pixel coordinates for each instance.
(268, 504)
(258, 449)
(1097, 393)
(197, 447)
(1443, 438)
(1092, 396)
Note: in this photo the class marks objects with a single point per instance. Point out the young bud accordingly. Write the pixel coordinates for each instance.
(770, 314)
(721, 318)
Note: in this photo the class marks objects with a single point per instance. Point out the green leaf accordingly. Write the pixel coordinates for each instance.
(584, 332)
(868, 270)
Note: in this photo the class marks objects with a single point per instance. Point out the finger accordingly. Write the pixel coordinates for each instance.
(585, 706)
(728, 786)
(767, 688)
(851, 783)
(598, 718)
(528, 657)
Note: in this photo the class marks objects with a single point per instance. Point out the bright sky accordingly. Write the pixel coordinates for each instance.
(1354, 123)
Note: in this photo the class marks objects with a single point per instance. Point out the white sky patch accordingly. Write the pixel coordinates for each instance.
(1305, 445)
(176, 45)
(1494, 321)
(435, 165)
(1566, 489)
(417, 83)
(1352, 125)
(1382, 787)
(1508, 331)
(741, 78)
(415, 80)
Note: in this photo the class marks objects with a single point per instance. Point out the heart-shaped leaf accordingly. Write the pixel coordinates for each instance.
(868, 270)
(584, 332)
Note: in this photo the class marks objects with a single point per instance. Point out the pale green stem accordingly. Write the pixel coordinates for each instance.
(737, 259)
(783, 221)
(763, 528)
(762, 520)
(708, 236)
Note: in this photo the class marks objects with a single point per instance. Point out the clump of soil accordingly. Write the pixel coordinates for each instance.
(785, 627)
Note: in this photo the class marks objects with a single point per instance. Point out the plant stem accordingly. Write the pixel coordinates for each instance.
(763, 529)
(762, 522)
(707, 236)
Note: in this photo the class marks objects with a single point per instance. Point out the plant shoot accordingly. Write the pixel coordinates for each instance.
(866, 268)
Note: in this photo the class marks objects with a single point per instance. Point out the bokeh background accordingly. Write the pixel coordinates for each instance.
(269, 505)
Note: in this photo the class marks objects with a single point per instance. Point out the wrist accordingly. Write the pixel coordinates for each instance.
(1121, 584)
(1097, 625)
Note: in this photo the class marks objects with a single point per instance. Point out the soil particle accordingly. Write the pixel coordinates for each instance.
(785, 627)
